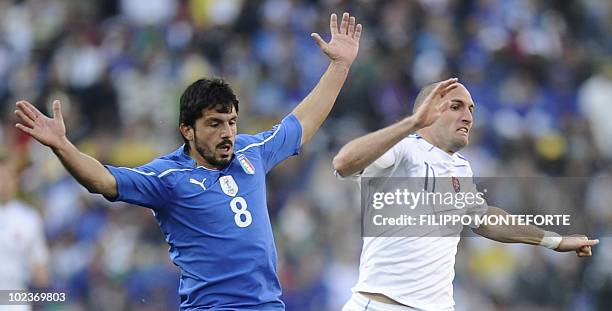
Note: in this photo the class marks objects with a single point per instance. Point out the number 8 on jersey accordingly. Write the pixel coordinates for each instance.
(239, 207)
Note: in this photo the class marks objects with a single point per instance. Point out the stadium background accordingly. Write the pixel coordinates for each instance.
(540, 73)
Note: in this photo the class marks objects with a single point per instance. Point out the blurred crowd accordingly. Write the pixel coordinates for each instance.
(540, 73)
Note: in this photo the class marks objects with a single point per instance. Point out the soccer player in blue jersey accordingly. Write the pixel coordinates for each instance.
(209, 195)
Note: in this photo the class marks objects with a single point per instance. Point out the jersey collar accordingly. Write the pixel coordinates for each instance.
(428, 147)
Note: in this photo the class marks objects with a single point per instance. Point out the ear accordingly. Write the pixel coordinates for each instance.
(186, 131)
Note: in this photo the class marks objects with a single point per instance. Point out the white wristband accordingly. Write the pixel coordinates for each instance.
(551, 240)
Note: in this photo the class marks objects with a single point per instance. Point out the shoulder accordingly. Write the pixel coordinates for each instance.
(166, 167)
(159, 166)
(174, 160)
(169, 171)
(411, 141)
(245, 142)
(177, 158)
(289, 123)
(411, 146)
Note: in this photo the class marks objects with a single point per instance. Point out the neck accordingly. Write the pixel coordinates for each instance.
(432, 139)
(199, 159)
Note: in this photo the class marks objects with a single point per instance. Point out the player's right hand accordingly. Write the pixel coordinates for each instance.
(579, 243)
(433, 105)
(48, 131)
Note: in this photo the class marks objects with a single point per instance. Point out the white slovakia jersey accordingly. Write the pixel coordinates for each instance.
(414, 271)
(22, 245)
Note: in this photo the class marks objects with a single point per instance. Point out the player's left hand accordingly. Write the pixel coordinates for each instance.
(578, 243)
(344, 44)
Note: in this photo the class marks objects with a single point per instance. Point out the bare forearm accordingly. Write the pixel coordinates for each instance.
(51, 132)
(361, 152)
(313, 110)
(526, 234)
(88, 171)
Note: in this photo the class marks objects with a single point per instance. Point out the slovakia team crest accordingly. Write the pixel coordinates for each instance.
(247, 166)
(456, 185)
(228, 185)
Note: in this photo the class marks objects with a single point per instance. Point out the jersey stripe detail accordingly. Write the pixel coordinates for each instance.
(433, 174)
(262, 142)
(140, 172)
(166, 172)
(208, 169)
(426, 175)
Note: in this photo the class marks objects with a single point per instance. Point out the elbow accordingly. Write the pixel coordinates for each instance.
(340, 165)
(106, 186)
(95, 188)
(91, 189)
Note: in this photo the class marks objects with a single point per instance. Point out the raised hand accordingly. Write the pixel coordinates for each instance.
(48, 131)
(578, 243)
(344, 44)
(433, 105)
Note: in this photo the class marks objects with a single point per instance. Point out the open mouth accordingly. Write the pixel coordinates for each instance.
(463, 130)
(225, 147)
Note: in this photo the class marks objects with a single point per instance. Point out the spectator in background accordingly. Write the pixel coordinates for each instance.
(23, 250)
(594, 99)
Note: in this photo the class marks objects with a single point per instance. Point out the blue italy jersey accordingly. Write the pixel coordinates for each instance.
(216, 221)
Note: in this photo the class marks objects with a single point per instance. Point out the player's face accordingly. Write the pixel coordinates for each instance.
(454, 125)
(215, 135)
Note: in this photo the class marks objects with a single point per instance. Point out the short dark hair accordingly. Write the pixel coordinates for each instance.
(205, 94)
(423, 93)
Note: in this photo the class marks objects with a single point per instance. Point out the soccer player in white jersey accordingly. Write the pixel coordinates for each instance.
(23, 250)
(416, 273)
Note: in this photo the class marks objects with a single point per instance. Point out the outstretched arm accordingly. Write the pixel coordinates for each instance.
(361, 152)
(341, 50)
(535, 236)
(51, 132)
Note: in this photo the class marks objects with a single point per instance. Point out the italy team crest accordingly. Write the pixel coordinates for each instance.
(228, 185)
(456, 185)
(247, 166)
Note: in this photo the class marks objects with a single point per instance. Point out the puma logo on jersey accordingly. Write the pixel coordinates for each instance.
(201, 184)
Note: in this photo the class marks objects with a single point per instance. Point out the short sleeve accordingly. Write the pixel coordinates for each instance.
(279, 143)
(141, 186)
(477, 210)
(480, 207)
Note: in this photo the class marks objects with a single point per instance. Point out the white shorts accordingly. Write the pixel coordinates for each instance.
(359, 302)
